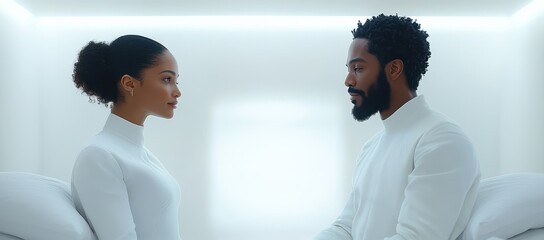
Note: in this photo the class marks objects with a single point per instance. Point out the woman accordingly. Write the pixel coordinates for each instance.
(118, 185)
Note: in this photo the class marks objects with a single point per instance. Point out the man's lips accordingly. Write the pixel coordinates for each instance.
(354, 93)
(353, 97)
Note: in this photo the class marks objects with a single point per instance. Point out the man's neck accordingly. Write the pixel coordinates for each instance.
(397, 101)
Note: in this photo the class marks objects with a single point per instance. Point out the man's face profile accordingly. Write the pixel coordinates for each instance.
(366, 81)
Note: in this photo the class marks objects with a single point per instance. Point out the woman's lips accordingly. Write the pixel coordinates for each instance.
(173, 104)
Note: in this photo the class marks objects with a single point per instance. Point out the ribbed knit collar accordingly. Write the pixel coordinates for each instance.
(407, 114)
(124, 129)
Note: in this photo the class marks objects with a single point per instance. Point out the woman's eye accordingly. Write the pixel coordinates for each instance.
(167, 80)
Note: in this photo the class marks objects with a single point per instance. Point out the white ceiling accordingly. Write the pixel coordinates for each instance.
(487, 8)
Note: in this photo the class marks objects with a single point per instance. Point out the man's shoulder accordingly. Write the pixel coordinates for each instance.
(441, 122)
(446, 133)
(434, 120)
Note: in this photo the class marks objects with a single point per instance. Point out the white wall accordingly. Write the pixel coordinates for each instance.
(523, 110)
(20, 143)
(285, 84)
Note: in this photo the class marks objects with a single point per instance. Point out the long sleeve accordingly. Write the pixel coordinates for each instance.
(341, 228)
(441, 189)
(99, 186)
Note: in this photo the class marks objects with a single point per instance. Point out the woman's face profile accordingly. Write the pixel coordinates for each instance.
(157, 92)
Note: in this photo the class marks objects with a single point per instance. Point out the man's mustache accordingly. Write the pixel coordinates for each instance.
(356, 91)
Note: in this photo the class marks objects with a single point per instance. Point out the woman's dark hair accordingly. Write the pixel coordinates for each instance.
(100, 66)
(393, 37)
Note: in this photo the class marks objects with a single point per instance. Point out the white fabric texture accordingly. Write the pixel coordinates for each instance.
(507, 205)
(415, 180)
(36, 207)
(122, 189)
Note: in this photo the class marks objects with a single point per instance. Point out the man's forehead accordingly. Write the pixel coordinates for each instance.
(358, 51)
(359, 44)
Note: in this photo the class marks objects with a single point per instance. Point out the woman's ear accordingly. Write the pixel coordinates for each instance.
(127, 84)
(394, 69)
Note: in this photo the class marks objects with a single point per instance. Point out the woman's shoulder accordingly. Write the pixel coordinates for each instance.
(105, 150)
(94, 160)
(94, 154)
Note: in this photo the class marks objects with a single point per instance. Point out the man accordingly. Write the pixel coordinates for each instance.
(417, 178)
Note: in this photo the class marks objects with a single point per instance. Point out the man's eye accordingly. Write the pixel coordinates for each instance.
(356, 69)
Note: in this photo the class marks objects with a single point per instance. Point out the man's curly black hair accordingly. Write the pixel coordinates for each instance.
(393, 37)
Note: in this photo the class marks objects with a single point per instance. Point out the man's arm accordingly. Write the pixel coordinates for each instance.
(341, 228)
(441, 189)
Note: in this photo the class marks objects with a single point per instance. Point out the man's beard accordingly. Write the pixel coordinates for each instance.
(378, 98)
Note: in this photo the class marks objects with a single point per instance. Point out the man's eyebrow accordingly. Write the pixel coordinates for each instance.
(355, 60)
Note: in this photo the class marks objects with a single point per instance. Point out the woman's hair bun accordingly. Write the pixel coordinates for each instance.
(93, 73)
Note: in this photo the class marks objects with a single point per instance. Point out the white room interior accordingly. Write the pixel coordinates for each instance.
(263, 143)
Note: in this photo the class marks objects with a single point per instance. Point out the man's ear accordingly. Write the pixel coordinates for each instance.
(394, 69)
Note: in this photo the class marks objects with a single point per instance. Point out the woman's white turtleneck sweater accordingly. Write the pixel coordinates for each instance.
(122, 189)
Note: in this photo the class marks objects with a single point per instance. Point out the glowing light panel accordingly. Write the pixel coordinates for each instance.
(265, 156)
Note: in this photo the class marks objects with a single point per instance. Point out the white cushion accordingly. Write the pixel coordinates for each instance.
(533, 234)
(8, 237)
(507, 205)
(35, 207)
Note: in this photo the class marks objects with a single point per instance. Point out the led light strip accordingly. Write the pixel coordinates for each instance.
(275, 22)
(12, 8)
